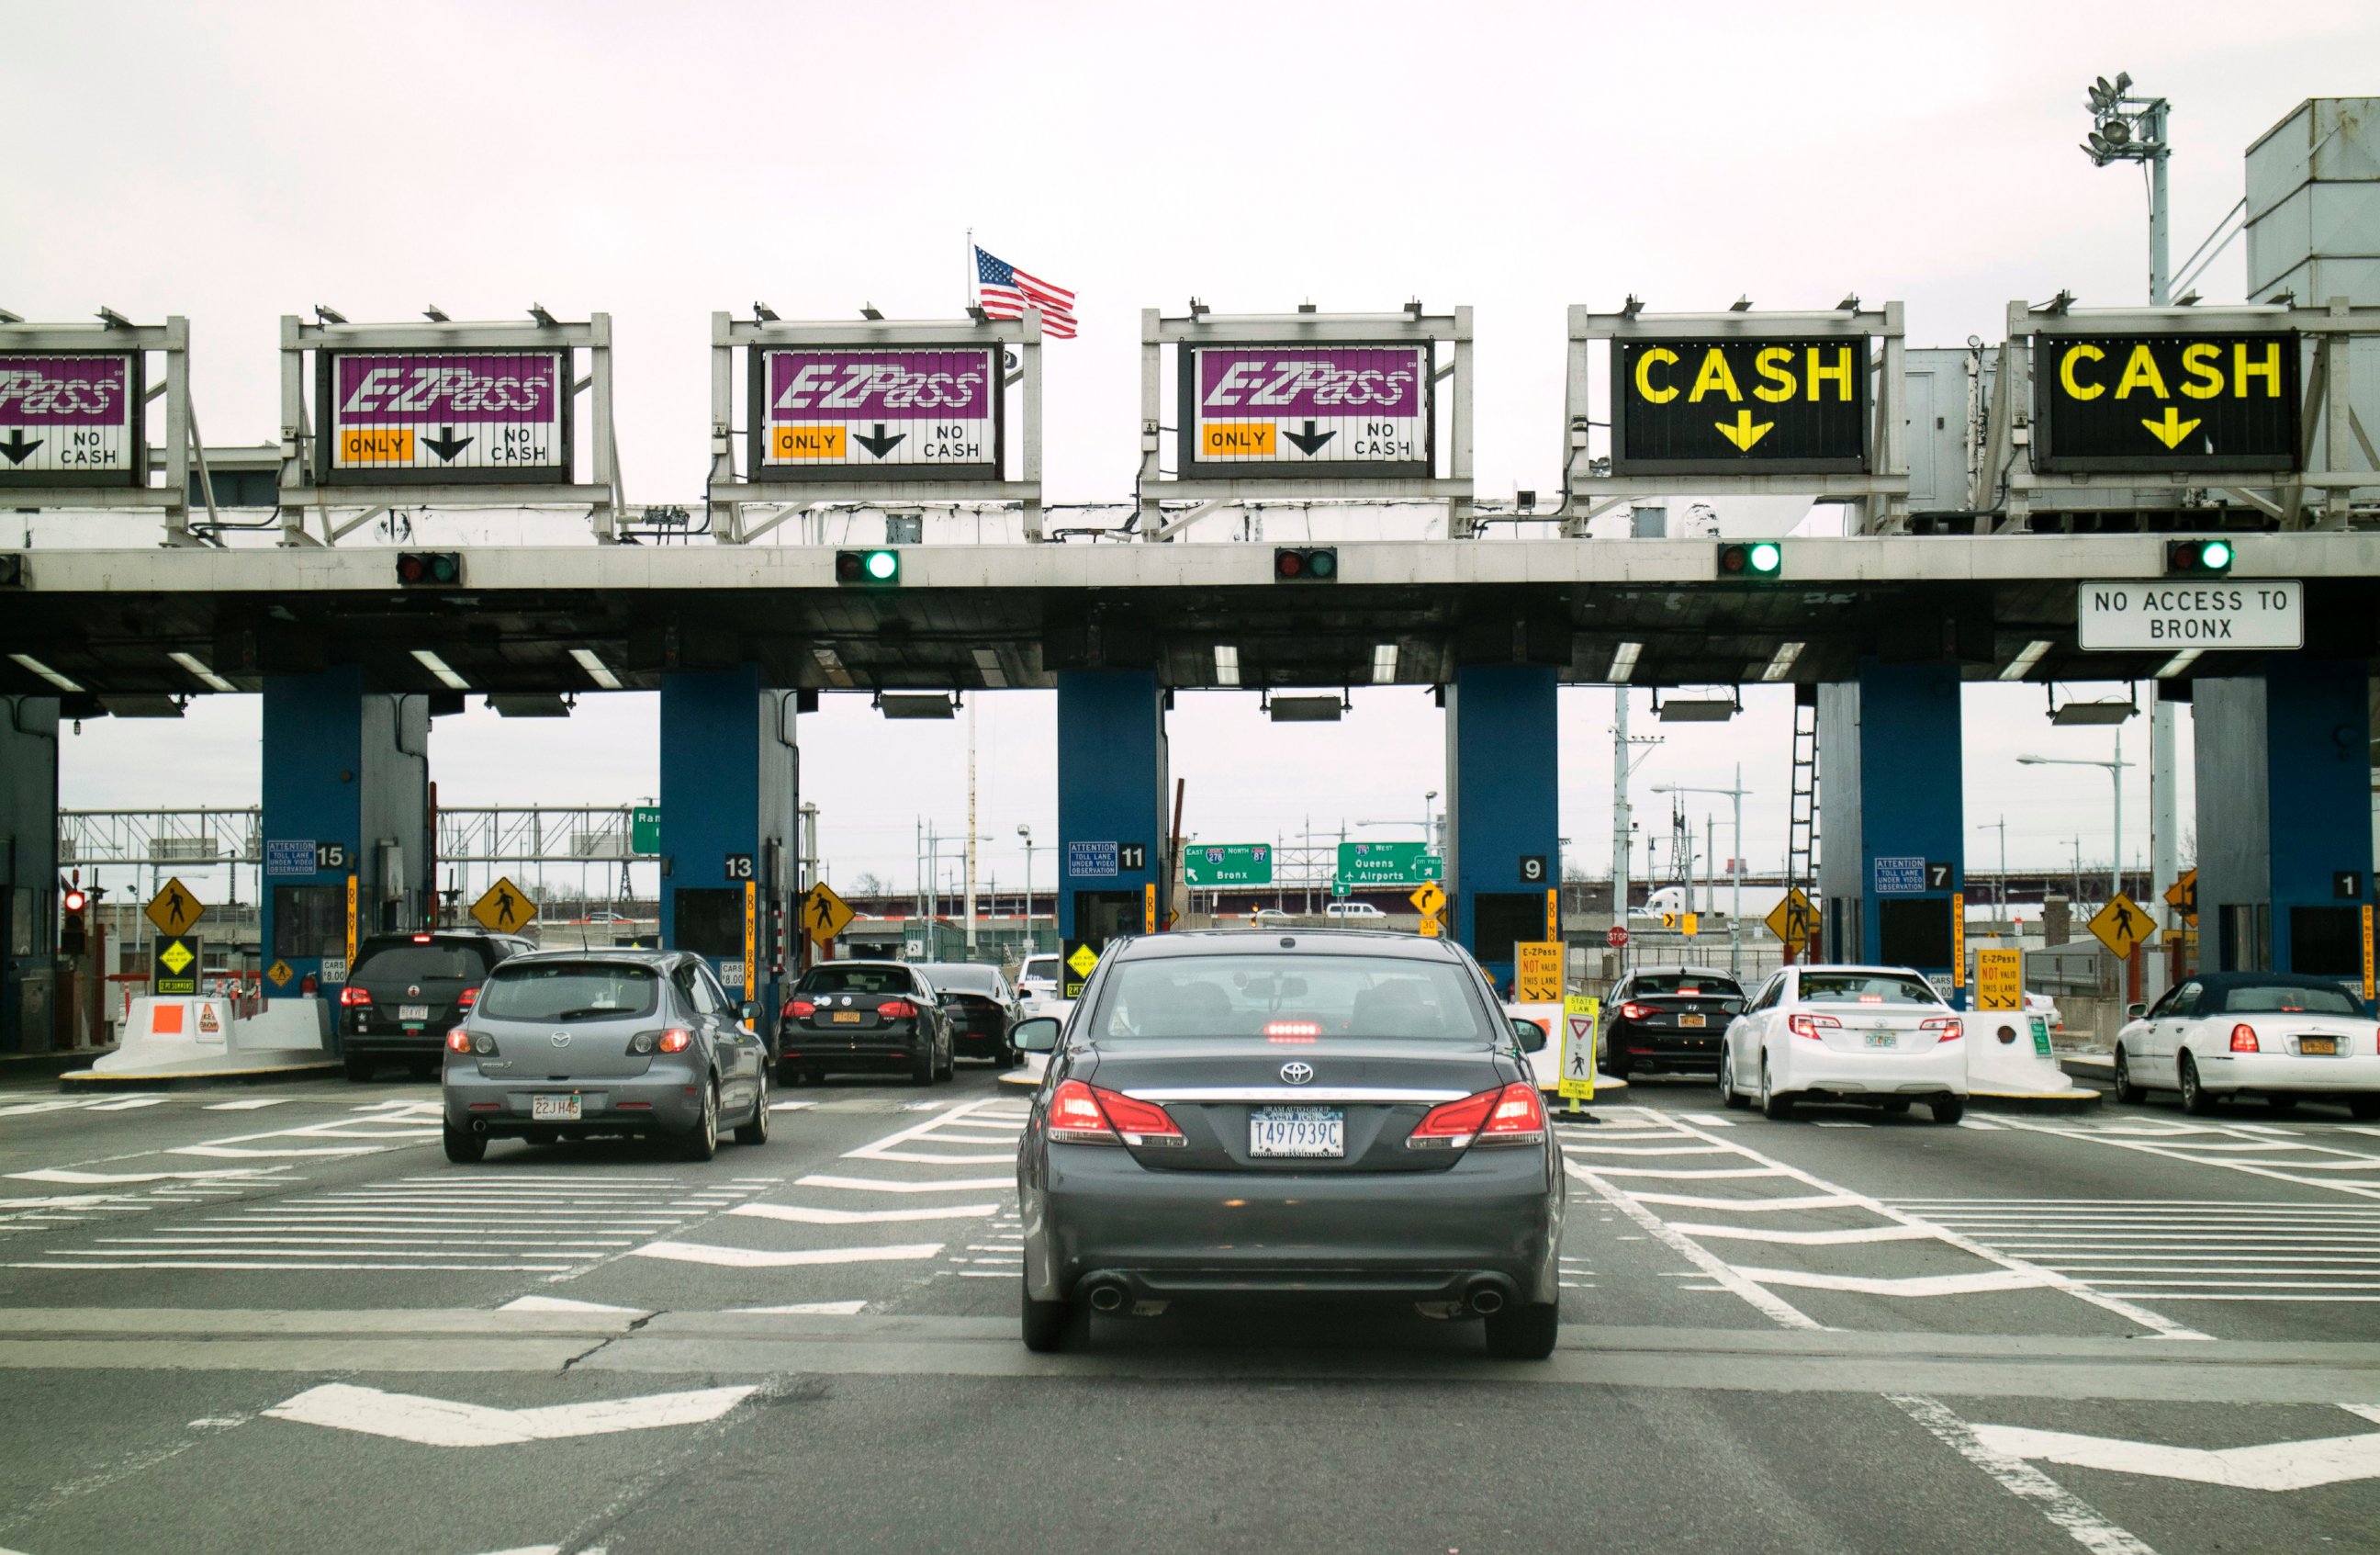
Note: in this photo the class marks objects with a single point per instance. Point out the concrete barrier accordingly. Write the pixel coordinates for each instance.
(2005, 1067)
(168, 1039)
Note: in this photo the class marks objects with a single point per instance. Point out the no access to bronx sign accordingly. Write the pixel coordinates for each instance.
(2172, 616)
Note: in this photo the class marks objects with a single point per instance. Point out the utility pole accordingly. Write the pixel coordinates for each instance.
(1999, 896)
(970, 839)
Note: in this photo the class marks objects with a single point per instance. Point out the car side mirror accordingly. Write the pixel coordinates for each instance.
(748, 1011)
(2135, 1012)
(1731, 1006)
(1039, 1035)
(1531, 1035)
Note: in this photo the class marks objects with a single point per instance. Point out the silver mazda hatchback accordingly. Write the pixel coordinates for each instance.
(574, 1044)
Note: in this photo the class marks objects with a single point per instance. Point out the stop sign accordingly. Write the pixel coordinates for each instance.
(1615, 936)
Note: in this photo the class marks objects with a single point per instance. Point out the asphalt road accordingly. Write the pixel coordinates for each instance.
(276, 1319)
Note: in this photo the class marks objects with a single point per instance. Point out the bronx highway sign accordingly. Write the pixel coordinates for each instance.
(2171, 615)
(71, 418)
(1306, 410)
(902, 413)
(408, 417)
(2153, 403)
(1689, 407)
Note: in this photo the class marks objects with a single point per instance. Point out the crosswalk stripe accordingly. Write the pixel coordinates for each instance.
(759, 1257)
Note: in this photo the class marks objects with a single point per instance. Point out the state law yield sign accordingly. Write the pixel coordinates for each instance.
(891, 412)
(1307, 410)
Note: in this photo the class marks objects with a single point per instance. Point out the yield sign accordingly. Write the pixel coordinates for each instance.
(174, 910)
(2280, 1466)
(824, 914)
(2122, 926)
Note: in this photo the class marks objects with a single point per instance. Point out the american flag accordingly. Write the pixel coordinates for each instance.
(1005, 291)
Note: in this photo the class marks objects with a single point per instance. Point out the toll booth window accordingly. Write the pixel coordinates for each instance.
(1913, 933)
(1501, 919)
(2326, 942)
(310, 920)
(710, 922)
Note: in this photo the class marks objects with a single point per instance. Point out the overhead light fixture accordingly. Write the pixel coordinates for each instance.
(62, 683)
(1741, 305)
(115, 319)
(916, 704)
(206, 677)
(832, 663)
(1198, 308)
(143, 706)
(987, 664)
(1305, 710)
(436, 314)
(1849, 304)
(1623, 664)
(870, 312)
(1384, 664)
(2179, 662)
(2092, 712)
(1783, 665)
(528, 704)
(1226, 664)
(1695, 709)
(597, 671)
(2022, 665)
(444, 671)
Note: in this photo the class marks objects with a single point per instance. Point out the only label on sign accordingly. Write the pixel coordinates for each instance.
(2169, 616)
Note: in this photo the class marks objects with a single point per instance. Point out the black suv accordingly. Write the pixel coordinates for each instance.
(864, 1015)
(1668, 1017)
(981, 1009)
(406, 991)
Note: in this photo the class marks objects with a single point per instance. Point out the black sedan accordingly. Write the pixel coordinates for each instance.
(1326, 1114)
(863, 1014)
(1668, 1017)
(406, 991)
(981, 1009)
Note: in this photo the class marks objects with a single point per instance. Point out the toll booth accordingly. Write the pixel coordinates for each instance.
(1503, 848)
(730, 796)
(29, 870)
(1111, 781)
(1892, 810)
(345, 797)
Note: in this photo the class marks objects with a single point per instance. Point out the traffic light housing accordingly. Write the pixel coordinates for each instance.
(879, 568)
(1305, 563)
(12, 570)
(1752, 560)
(429, 569)
(2198, 558)
(72, 931)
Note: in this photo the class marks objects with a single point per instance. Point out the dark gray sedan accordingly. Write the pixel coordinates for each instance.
(1324, 1112)
(573, 1044)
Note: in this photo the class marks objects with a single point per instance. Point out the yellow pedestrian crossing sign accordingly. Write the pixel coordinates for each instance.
(2122, 926)
(824, 914)
(1794, 920)
(2183, 894)
(174, 910)
(506, 907)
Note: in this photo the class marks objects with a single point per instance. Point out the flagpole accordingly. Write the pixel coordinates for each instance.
(970, 267)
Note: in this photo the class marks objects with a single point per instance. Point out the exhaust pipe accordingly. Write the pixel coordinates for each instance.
(1107, 1297)
(1486, 1298)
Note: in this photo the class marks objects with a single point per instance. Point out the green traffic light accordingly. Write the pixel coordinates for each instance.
(2215, 554)
(1766, 558)
(883, 566)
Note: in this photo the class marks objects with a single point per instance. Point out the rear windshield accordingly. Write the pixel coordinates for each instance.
(1688, 983)
(1040, 968)
(1291, 998)
(410, 963)
(569, 990)
(1865, 988)
(857, 979)
(964, 977)
(2258, 999)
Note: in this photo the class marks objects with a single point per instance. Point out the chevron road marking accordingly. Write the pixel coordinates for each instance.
(445, 1423)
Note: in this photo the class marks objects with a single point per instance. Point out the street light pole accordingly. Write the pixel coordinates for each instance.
(2115, 770)
(1031, 944)
(1735, 865)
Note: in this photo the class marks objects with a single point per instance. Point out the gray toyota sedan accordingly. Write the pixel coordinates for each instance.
(573, 1044)
(1322, 1113)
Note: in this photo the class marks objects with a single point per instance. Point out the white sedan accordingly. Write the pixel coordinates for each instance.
(1876, 1036)
(2277, 1035)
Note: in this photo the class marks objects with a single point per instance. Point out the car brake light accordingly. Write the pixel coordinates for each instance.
(421, 939)
(1519, 1117)
(1950, 1029)
(896, 1009)
(1140, 1122)
(1452, 1124)
(1291, 1030)
(2243, 1039)
(350, 996)
(468, 998)
(1083, 1114)
(1076, 1118)
(1633, 1011)
(459, 1040)
(1809, 1026)
(676, 1040)
(800, 1009)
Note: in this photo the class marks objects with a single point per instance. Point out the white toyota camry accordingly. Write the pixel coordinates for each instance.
(2277, 1035)
(1875, 1036)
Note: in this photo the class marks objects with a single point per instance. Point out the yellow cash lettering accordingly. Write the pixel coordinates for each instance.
(1774, 364)
(2075, 387)
(2141, 368)
(1840, 373)
(1644, 364)
(2204, 363)
(2269, 369)
(1716, 374)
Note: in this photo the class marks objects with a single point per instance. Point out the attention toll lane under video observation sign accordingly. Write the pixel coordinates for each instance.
(1779, 407)
(431, 416)
(926, 413)
(2135, 402)
(1306, 410)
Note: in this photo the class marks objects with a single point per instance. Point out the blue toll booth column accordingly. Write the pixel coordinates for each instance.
(1893, 813)
(29, 870)
(1112, 765)
(729, 796)
(2285, 819)
(1503, 848)
(346, 795)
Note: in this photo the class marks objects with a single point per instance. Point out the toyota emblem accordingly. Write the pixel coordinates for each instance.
(560, 1039)
(1296, 1072)
(413, 992)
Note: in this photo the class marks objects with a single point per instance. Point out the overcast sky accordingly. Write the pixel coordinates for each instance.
(232, 163)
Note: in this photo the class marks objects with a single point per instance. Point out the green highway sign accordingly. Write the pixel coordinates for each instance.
(1368, 864)
(1228, 864)
(645, 829)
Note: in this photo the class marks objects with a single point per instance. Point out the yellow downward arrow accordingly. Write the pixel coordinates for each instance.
(2173, 428)
(1744, 434)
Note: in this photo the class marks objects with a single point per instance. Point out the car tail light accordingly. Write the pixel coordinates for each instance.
(1519, 1117)
(1810, 1026)
(468, 998)
(676, 1040)
(1633, 1011)
(799, 1009)
(1084, 1114)
(897, 1009)
(2243, 1039)
(1945, 1029)
(351, 996)
(459, 1040)
(1076, 1118)
(1451, 1125)
(1140, 1122)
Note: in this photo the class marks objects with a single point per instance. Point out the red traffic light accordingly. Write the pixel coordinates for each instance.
(429, 568)
(75, 901)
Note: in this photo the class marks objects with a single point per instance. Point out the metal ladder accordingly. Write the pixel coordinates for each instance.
(1802, 827)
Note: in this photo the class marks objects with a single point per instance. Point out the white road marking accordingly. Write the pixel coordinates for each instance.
(862, 1217)
(563, 1304)
(445, 1423)
(2205, 1153)
(2081, 1521)
(1904, 1285)
(69, 1174)
(1849, 1236)
(2280, 1466)
(810, 1310)
(1802, 1201)
(1774, 1307)
(251, 1105)
(755, 1257)
(1708, 1119)
(1980, 1124)
(126, 1105)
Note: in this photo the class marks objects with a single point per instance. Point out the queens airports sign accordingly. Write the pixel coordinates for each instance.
(897, 413)
(2147, 403)
(71, 419)
(1306, 410)
(1738, 406)
(423, 417)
